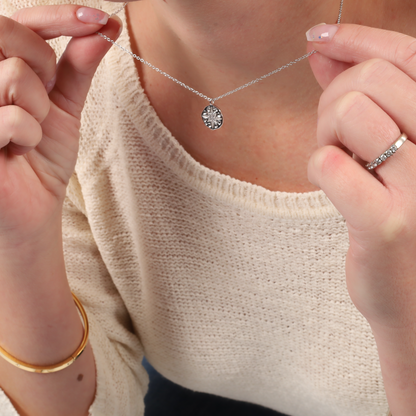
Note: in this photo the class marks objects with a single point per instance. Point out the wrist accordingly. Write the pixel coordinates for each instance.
(31, 243)
(397, 354)
(40, 322)
(404, 333)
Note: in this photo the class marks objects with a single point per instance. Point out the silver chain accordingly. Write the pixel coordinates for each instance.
(211, 100)
(119, 10)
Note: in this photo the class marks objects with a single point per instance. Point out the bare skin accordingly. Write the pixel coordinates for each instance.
(269, 131)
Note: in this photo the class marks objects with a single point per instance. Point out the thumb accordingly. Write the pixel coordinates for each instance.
(324, 68)
(77, 67)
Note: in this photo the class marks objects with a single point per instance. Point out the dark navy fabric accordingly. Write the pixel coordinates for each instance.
(165, 398)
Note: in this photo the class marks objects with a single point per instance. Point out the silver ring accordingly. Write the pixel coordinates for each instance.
(389, 152)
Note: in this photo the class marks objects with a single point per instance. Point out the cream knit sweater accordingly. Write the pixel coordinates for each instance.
(227, 288)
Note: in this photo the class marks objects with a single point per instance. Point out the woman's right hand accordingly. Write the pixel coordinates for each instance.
(39, 132)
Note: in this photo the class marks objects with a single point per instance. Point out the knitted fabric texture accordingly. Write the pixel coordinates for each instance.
(228, 288)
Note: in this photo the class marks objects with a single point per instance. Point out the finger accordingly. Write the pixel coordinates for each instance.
(349, 187)
(391, 89)
(19, 130)
(77, 66)
(324, 68)
(20, 86)
(353, 44)
(355, 122)
(23, 35)
(19, 41)
(51, 22)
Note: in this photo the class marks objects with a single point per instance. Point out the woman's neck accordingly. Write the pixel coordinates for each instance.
(218, 45)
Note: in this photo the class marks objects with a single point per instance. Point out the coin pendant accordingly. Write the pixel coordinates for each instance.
(212, 117)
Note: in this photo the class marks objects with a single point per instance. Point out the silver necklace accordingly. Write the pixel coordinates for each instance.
(212, 115)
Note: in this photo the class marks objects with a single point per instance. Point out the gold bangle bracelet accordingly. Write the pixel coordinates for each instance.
(63, 364)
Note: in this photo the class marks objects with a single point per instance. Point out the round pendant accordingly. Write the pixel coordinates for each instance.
(212, 117)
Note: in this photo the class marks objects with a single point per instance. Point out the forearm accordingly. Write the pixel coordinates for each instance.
(40, 325)
(397, 353)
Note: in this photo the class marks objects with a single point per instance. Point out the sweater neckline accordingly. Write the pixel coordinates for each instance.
(160, 140)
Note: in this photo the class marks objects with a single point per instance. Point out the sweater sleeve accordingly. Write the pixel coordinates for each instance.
(121, 379)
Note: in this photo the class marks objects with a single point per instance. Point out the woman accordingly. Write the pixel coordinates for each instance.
(222, 255)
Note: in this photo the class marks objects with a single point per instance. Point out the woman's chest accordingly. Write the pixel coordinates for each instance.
(257, 144)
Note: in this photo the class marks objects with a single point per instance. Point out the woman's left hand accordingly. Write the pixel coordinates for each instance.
(369, 99)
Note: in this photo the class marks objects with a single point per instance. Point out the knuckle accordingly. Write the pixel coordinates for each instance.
(14, 120)
(16, 73)
(351, 104)
(406, 52)
(326, 159)
(394, 227)
(9, 122)
(15, 69)
(11, 74)
(373, 70)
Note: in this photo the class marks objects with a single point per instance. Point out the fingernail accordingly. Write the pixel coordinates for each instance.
(321, 33)
(49, 86)
(120, 24)
(89, 15)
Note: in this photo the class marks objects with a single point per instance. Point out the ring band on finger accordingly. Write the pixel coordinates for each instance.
(388, 153)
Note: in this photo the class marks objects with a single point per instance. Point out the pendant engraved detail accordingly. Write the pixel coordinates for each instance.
(212, 117)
